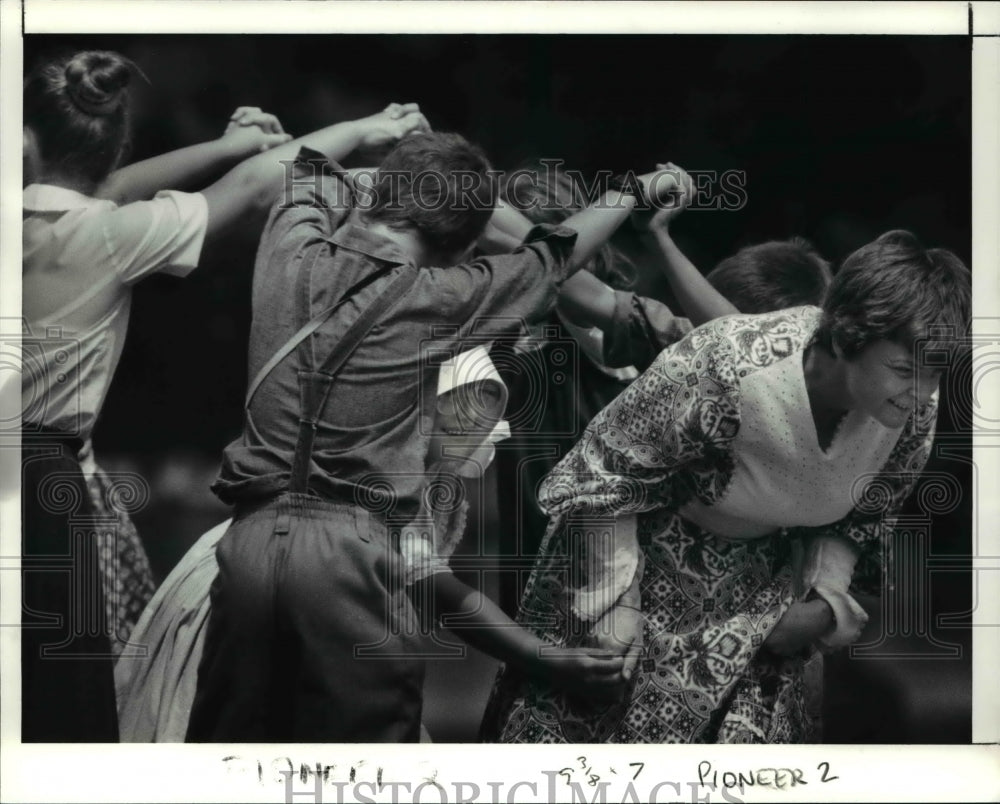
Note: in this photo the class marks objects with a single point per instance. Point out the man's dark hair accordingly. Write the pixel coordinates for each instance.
(438, 184)
(772, 276)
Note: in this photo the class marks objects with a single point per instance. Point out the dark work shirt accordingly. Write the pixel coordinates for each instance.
(372, 436)
(642, 328)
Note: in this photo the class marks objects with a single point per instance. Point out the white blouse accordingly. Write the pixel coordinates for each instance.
(81, 256)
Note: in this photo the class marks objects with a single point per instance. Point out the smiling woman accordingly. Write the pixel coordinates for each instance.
(892, 319)
(715, 512)
(768, 107)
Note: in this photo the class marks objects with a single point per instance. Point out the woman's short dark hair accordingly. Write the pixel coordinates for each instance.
(78, 108)
(439, 184)
(894, 289)
(545, 194)
(772, 276)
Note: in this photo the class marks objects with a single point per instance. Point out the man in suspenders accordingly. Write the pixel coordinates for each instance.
(357, 298)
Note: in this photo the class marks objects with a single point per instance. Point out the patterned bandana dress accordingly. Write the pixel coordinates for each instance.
(712, 455)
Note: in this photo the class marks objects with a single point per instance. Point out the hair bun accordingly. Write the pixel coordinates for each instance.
(96, 81)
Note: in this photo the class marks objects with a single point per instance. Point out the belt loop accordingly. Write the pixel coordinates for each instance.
(362, 524)
(283, 522)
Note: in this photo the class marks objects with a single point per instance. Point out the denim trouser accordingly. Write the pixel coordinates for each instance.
(312, 636)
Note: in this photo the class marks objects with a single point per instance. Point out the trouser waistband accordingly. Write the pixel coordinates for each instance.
(38, 437)
(307, 506)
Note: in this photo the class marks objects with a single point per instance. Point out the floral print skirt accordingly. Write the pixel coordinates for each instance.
(708, 603)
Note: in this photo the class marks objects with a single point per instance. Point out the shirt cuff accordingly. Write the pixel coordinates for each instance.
(829, 560)
(829, 565)
(617, 343)
(560, 241)
(641, 329)
(850, 619)
(427, 542)
(420, 558)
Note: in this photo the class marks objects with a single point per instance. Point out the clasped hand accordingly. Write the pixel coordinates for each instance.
(254, 130)
(670, 190)
(393, 123)
(250, 129)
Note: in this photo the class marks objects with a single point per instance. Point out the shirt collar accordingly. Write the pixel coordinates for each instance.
(357, 238)
(50, 198)
(349, 235)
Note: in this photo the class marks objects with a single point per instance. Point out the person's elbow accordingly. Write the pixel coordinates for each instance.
(242, 195)
(255, 186)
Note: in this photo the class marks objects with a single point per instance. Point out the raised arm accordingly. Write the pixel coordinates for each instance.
(252, 185)
(587, 301)
(505, 231)
(507, 220)
(593, 225)
(249, 131)
(699, 300)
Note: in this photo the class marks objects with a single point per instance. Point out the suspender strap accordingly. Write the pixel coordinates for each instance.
(304, 332)
(314, 386)
(309, 328)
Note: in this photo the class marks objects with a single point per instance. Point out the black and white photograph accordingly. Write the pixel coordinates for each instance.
(380, 374)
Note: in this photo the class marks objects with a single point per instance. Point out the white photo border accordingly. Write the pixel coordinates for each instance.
(254, 773)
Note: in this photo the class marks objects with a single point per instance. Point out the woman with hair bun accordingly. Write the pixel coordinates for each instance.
(90, 231)
(714, 519)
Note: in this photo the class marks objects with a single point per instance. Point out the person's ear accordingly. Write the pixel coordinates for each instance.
(835, 347)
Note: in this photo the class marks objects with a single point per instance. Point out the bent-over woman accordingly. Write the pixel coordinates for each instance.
(755, 465)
